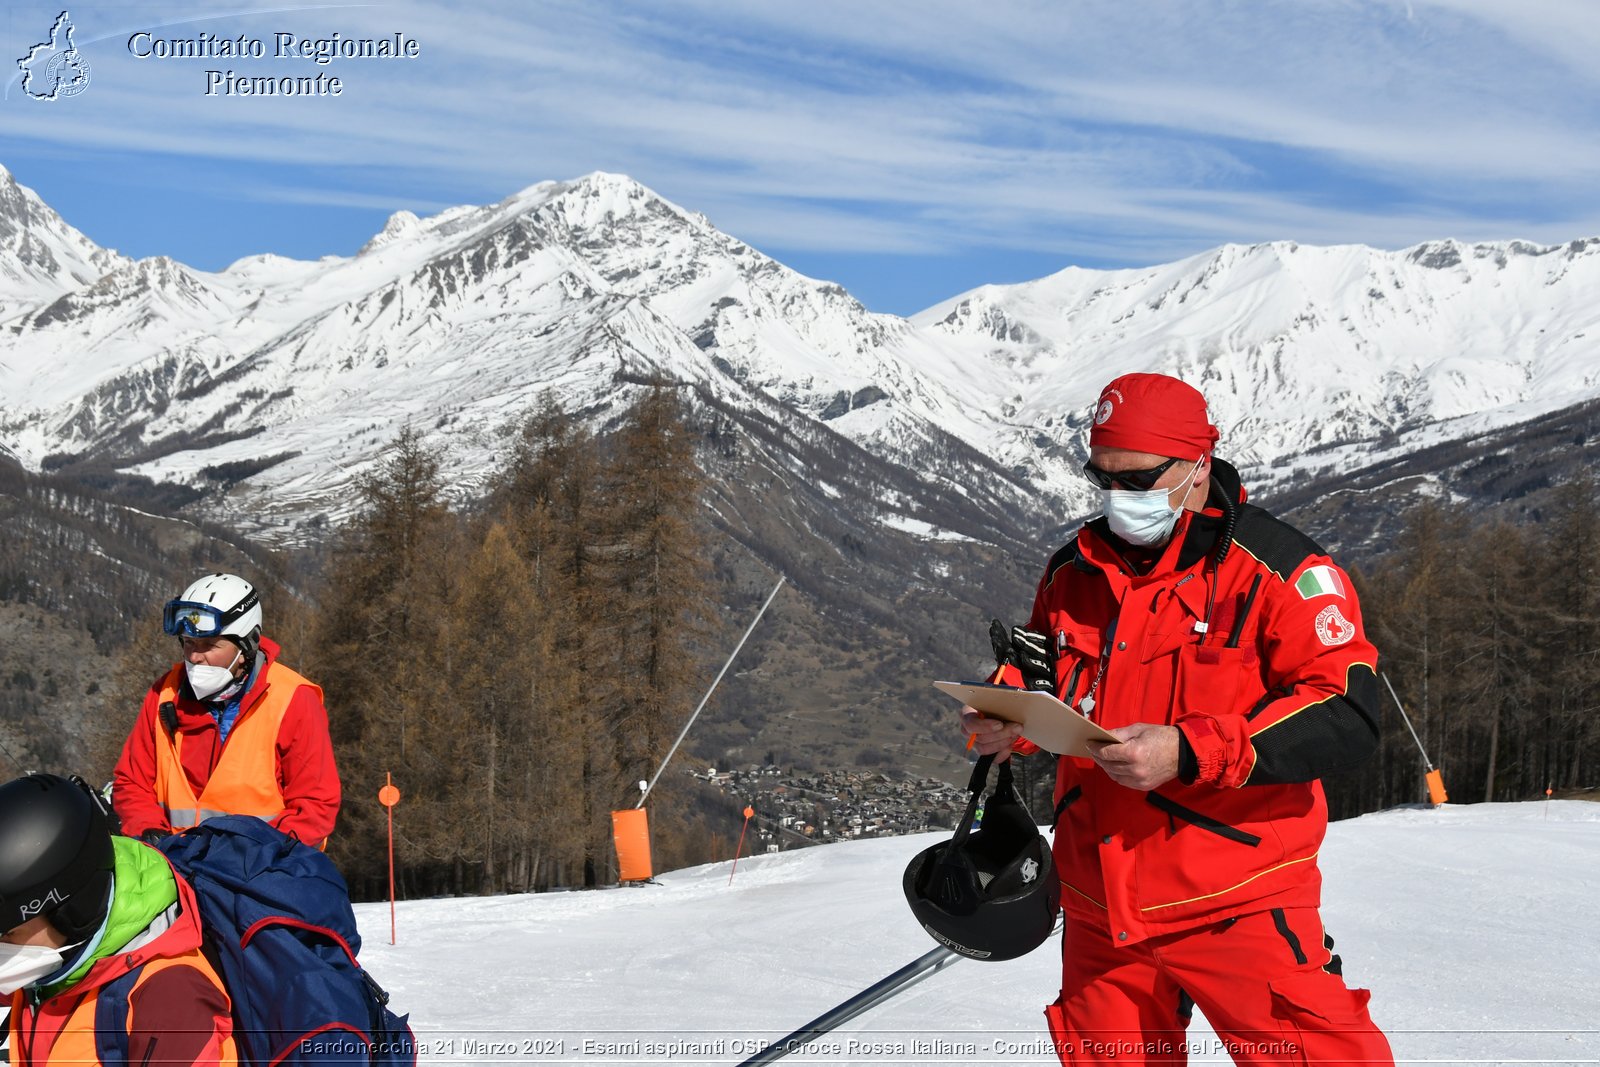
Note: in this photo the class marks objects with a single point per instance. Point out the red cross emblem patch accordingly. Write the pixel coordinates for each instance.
(1332, 627)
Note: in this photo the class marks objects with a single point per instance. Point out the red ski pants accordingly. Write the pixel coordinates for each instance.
(1268, 984)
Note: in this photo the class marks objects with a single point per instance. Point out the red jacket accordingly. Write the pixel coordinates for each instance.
(1248, 638)
(306, 773)
(176, 1009)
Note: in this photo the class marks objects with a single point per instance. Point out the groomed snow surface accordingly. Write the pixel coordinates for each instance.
(1475, 927)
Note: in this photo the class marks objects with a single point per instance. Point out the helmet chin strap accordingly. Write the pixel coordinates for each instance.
(238, 679)
(246, 661)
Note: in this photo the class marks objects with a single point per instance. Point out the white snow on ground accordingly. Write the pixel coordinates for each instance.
(1474, 927)
(925, 530)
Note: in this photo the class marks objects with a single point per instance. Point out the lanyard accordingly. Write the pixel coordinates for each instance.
(1086, 705)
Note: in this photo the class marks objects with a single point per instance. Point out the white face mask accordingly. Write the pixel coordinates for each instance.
(23, 965)
(208, 681)
(1143, 518)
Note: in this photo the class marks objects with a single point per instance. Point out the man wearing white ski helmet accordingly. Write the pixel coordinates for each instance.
(228, 730)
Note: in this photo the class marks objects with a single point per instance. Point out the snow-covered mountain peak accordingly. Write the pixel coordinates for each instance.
(537, 193)
(1437, 255)
(470, 313)
(151, 278)
(458, 320)
(606, 186)
(41, 256)
(1305, 351)
(21, 207)
(1447, 253)
(581, 205)
(160, 270)
(269, 263)
(601, 203)
(401, 224)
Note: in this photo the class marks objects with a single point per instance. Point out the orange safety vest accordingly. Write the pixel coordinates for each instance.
(245, 781)
(62, 1031)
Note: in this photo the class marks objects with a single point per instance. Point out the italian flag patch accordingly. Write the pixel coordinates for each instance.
(1319, 581)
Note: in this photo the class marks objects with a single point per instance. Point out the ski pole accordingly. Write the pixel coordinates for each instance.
(930, 962)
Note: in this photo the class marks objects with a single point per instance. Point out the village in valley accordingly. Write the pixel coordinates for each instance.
(793, 810)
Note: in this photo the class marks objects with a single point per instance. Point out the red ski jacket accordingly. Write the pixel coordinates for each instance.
(1248, 638)
(302, 759)
(176, 1009)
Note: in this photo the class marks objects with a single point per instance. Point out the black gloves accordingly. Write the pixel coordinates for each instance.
(1035, 659)
(1030, 652)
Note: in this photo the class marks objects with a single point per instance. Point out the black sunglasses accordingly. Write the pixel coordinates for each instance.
(1143, 481)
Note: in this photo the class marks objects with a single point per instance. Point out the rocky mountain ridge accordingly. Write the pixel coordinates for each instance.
(1314, 358)
(909, 475)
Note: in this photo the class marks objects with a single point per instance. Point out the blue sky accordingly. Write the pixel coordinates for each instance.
(907, 151)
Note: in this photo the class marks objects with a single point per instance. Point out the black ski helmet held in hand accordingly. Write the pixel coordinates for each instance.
(990, 893)
(55, 855)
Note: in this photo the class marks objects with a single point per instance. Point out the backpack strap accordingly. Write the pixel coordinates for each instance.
(111, 1018)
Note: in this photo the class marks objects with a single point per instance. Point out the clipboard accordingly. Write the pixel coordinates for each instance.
(1046, 721)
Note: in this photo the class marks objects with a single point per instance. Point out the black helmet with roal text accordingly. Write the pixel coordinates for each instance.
(55, 855)
(991, 893)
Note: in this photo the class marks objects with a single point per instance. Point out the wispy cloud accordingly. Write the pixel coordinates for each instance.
(899, 127)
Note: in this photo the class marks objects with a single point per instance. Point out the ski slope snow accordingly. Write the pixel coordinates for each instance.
(1474, 927)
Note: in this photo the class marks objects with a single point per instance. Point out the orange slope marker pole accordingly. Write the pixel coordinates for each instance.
(389, 796)
(748, 812)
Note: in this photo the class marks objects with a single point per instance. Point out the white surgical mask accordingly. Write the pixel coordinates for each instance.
(207, 681)
(23, 965)
(1143, 518)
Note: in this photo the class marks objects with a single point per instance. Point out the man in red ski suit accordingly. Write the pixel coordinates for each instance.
(1226, 651)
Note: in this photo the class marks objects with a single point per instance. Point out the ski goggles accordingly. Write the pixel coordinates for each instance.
(1141, 480)
(187, 618)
